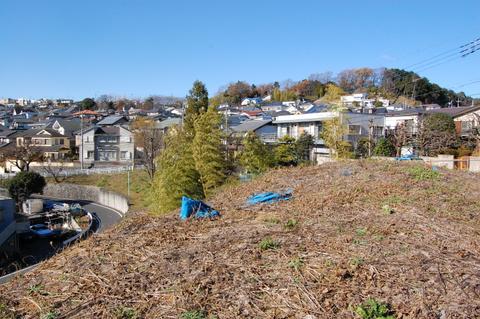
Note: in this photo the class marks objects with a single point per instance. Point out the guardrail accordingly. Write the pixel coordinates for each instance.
(77, 171)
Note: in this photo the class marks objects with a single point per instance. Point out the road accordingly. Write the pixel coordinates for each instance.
(108, 217)
(42, 249)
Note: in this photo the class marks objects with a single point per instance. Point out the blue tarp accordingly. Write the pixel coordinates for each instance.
(196, 208)
(269, 197)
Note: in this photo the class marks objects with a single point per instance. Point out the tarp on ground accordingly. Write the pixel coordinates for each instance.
(197, 209)
(269, 197)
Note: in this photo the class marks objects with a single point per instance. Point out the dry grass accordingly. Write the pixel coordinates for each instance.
(420, 256)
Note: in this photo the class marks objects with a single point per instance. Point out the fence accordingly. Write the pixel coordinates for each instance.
(65, 171)
(466, 163)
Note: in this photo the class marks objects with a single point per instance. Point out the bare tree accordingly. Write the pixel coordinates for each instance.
(400, 137)
(55, 170)
(23, 155)
(149, 141)
(152, 140)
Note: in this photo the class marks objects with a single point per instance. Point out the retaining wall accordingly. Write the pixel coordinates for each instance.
(90, 193)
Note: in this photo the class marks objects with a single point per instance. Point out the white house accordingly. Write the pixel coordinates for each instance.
(251, 101)
(362, 100)
(360, 126)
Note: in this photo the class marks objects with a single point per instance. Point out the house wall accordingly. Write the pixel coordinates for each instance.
(467, 122)
(98, 145)
(267, 133)
(391, 122)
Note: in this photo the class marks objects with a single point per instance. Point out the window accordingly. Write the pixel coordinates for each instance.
(90, 154)
(62, 141)
(354, 129)
(124, 155)
(377, 131)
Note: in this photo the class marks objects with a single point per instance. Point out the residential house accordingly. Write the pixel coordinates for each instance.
(251, 101)
(49, 142)
(21, 123)
(66, 127)
(113, 120)
(265, 130)
(409, 117)
(5, 135)
(112, 143)
(467, 119)
(166, 124)
(274, 106)
(360, 126)
(361, 100)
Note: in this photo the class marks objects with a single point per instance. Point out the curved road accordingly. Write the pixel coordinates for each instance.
(107, 216)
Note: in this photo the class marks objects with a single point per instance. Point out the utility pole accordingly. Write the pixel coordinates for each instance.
(128, 181)
(81, 137)
(370, 137)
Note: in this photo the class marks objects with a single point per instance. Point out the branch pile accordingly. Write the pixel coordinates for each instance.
(353, 231)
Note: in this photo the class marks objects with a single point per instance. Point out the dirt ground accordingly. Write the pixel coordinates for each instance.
(399, 233)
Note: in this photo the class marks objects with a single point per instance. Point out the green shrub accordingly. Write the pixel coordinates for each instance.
(420, 173)
(103, 182)
(125, 313)
(193, 314)
(372, 309)
(384, 147)
(291, 224)
(296, 263)
(268, 243)
(49, 315)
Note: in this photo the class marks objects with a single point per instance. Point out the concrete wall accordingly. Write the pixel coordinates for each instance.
(474, 164)
(90, 193)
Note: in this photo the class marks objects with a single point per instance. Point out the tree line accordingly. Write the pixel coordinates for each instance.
(395, 84)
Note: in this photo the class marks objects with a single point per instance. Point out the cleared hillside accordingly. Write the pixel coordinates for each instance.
(398, 233)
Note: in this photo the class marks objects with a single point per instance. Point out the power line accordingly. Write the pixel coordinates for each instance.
(460, 52)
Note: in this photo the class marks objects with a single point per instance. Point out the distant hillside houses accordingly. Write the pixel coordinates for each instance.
(362, 100)
(62, 130)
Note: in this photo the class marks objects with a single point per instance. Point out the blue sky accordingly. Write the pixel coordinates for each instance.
(79, 48)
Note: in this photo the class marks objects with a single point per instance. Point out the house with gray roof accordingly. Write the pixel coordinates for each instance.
(112, 143)
(264, 129)
(113, 120)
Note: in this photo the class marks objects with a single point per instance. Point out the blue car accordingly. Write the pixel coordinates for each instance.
(42, 231)
(409, 157)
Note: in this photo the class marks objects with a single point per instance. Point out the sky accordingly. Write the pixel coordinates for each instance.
(136, 48)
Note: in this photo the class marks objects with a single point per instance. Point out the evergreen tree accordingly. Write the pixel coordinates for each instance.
(286, 152)
(303, 146)
(197, 103)
(209, 151)
(384, 147)
(25, 184)
(255, 158)
(176, 175)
